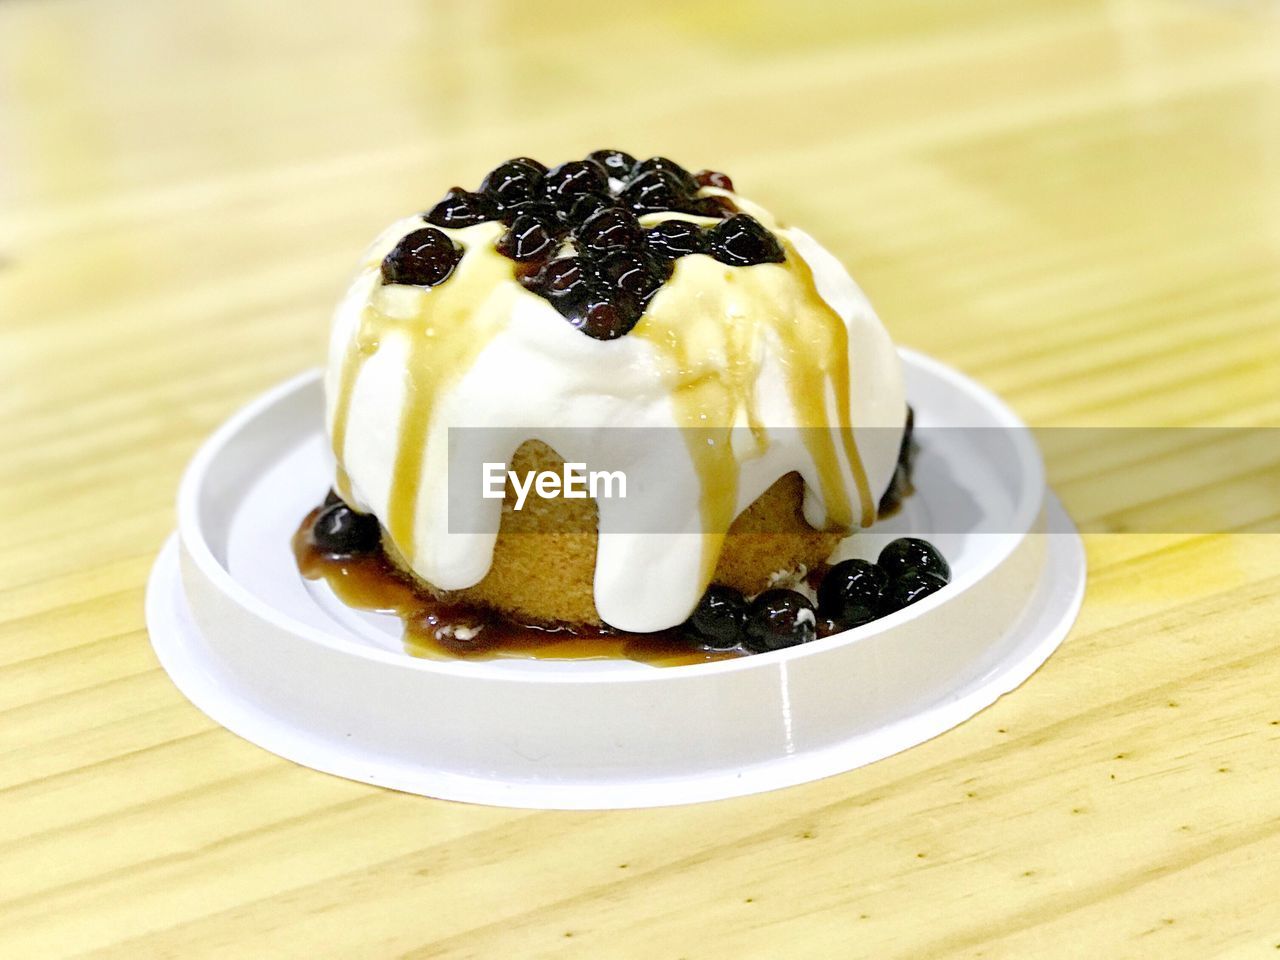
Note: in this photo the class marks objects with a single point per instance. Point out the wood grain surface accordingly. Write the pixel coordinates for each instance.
(1077, 203)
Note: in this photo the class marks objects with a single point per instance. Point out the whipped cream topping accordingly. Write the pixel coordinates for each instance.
(753, 352)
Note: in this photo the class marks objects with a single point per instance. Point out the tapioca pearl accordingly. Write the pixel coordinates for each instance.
(340, 531)
(851, 592)
(585, 206)
(608, 229)
(664, 165)
(617, 164)
(720, 619)
(535, 208)
(742, 241)
(512, 183)
(560, 276)
(906, 554)
(778, 619)
(530, 162)
(563, 185)
(655, 191)
(631, 271)
(460, 208)
(423, 258)
(672, 239)
(567, 283)
(527, 239)
(607, 315)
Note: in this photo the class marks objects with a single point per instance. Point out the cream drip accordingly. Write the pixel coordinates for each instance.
(762, 349)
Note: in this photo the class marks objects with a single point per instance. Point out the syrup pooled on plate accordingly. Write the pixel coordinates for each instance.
(344, 548)
(435, 629)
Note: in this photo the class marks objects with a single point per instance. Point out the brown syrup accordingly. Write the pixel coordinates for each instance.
(370, 582)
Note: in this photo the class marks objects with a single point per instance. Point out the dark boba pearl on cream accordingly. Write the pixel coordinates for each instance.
(460, 208)
(565, 274)
(423, 258)
(630, 271)
(607, 319)
(615, 162)
(587, 205)
(561, 276)
(564, 184)
(655, 191)
(742, 241)
(672, 239)
(609, 229)
(511, 184)
(527, 239)
(662, 165)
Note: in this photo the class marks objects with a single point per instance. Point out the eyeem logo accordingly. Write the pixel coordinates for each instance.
(574, 483)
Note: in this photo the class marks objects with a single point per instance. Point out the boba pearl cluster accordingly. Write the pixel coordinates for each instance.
(851, 593)
(576, 238)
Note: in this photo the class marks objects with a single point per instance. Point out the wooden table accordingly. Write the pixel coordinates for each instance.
(1076, 203)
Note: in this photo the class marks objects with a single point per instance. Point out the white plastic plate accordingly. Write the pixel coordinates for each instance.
(281, 662)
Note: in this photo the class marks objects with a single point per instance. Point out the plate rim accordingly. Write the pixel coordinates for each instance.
(1034, 497)
(165, 601)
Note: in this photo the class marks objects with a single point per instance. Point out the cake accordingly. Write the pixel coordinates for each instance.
(629, 318)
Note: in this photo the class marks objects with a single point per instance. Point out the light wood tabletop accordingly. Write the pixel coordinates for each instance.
(1076, 203)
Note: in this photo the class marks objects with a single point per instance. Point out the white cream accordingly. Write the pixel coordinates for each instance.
(533, 371)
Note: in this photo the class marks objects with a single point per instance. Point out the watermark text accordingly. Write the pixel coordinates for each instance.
(574, 482)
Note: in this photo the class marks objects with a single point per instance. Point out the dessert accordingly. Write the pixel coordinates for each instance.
(629, 317)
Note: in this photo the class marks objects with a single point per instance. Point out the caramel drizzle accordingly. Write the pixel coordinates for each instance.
(840, 379)
(445, 328)
(815, 347)
(360, 349)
